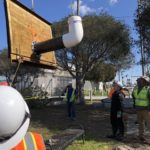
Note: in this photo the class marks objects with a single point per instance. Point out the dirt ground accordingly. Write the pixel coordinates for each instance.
(95, 121)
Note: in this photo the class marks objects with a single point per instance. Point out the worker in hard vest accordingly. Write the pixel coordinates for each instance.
(14, 117)
(116, 112)
(112, 90)
(141, 97)
(14, 122)
(70, 97)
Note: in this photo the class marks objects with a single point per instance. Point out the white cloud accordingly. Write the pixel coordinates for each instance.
(83, 9)
(112, 2)
(102, 9)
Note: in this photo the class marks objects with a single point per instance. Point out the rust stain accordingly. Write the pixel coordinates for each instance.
(33, 33)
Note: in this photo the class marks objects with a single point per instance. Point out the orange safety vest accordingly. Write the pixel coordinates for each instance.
(31, 141)
(112, 90)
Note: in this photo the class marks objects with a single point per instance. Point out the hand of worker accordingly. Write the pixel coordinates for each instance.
(119, 114)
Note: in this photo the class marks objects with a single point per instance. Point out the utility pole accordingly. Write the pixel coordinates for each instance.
(32, 5)
(78, 5)
(142, 4)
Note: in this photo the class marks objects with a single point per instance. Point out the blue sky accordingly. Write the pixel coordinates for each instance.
(54, 10)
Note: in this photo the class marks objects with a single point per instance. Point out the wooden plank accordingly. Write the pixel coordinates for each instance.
(25, 27)
(63, 139)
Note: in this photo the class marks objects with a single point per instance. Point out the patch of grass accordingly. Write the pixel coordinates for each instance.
(91, 145)
(95, 93)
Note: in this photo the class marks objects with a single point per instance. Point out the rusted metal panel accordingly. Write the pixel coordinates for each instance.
(25, 27)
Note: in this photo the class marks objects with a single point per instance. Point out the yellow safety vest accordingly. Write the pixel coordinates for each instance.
(141, 98)
(72, 98)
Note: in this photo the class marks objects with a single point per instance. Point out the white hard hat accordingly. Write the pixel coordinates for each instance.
(146, 78)
(70, 82)
(118, 83)
(14, 117)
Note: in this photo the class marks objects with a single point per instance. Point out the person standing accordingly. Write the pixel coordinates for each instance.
(141, 97)
(70, 97)
(116, 113)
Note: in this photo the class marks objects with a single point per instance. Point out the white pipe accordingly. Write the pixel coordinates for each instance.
(68, 40)
(75, 34)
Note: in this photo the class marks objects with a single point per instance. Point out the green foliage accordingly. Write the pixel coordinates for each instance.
(86, 92)
(106, 40)
(102, 72)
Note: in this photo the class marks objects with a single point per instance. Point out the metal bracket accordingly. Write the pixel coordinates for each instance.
(37, 56)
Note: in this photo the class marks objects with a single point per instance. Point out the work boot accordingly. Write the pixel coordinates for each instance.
(111, 136)
(142, 139)
(119, 137)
